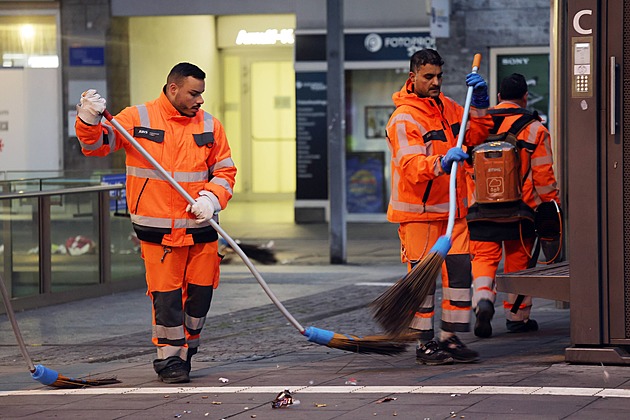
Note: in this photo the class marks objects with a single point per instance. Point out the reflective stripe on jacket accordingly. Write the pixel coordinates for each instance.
(194, 151)
(419, 133)
(536, 159)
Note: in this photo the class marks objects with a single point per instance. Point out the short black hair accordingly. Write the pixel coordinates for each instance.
(424, 56)
(183, 70)
(513, 86)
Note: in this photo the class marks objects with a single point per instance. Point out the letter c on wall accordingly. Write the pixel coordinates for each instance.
(576, 22)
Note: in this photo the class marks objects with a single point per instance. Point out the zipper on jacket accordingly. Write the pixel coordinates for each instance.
(425, 197)
(146, 181)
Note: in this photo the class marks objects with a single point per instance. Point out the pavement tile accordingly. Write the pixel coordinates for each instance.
(536, 405)
(418, 410)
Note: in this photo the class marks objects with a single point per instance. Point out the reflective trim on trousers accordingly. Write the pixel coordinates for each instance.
(168, 333)
(422, 321)
(194, 325)
(523, 312)
(458, 295)
(456, 316)
(483, 288)
(164, 352)
(193, 343)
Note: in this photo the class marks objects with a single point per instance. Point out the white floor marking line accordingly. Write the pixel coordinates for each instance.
(462, 390)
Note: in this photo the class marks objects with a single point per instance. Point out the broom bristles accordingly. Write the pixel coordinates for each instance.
(65, 382)
(374, 344)
(261, 254)
(395, 308)
(52, 378)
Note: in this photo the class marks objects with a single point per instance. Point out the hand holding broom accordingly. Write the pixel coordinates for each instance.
(395, 308)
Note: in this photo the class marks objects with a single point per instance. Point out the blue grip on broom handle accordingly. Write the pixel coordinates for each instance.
(452, 190)
(214, 224)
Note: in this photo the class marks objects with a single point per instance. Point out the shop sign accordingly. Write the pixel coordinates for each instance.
(269, 37)
(373, 46)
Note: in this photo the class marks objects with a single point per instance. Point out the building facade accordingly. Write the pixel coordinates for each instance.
(266, 76)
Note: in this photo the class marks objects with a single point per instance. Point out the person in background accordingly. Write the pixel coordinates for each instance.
(178, 244)
(422, 136)
(492, 241)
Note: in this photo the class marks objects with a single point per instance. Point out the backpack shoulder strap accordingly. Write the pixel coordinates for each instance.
(522, 122)
(526, 117)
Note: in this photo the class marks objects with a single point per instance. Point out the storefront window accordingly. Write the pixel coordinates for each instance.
(28, 41)
(369, 106)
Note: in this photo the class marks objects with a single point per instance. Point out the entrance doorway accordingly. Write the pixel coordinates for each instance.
(259, 119)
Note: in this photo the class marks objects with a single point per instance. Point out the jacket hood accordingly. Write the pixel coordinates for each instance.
(167, 109)
(406, 96)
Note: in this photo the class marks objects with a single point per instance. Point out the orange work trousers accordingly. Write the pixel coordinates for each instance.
(416, 240)
(486, 257)
(180, 282)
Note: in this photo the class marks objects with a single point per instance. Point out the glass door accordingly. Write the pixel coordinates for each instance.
(259, 119)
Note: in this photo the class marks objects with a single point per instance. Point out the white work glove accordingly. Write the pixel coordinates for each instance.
(205, 206)
(91, 108)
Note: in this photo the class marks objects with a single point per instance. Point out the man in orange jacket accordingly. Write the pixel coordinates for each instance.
(491, 239)
(178, 244)
(422, 136)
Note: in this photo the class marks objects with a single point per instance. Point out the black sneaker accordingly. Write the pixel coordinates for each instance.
(458, 351)
(430, 354)
(172, 370)
(484, 314)
(521, 326)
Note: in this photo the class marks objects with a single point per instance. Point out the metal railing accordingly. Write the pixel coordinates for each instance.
(66, 244)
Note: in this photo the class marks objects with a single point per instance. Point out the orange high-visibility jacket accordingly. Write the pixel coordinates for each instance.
(194, 151)
(419, 133)
(536, 159)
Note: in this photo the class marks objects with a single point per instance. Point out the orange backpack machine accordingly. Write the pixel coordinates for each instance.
(499, 212)
(496, 170)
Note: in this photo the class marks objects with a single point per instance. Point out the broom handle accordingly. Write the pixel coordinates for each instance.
(14, 325)
(452, 191)
(214, 224)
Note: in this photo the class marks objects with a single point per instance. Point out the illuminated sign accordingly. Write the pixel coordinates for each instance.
(269, 37)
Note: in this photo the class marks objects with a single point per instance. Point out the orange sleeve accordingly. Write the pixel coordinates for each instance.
(542, 167)
(223, 169)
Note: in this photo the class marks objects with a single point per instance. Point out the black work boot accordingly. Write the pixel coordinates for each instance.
(484, 314)
(172, 370)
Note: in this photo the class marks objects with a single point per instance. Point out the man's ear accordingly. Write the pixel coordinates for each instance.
(171, 88)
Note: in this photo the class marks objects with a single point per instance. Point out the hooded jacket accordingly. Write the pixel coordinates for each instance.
(419, 133)
(194, 151)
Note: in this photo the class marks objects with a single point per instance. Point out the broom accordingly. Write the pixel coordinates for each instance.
(369, 344)
(395, 308)
(41, 373)
(261, 253)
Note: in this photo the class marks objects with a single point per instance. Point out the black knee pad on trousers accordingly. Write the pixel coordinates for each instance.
(459, 269)
(198, 300)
